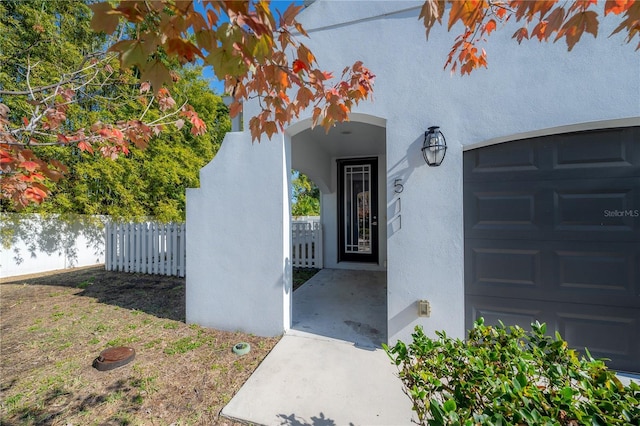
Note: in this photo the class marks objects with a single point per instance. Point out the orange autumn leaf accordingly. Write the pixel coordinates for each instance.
(582, 5)
(540, 31)
(35, 194)
(520, 34)
(617, 6)
(29, 165)
(85, 146)
(283, 79)
(468, 12)
(183, 49)
(304, 96)
(501, 12)
(490, 26)
(235, 108)
(431, 12)
(104, 18)
(573, 29)
(31, 177)
(555, 20)
(282, 95)
(298, 66)
(288, 17)
(198, 126)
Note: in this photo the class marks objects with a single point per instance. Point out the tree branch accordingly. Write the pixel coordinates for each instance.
(74, 76)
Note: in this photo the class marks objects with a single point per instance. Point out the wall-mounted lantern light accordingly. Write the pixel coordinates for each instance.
(434, 146)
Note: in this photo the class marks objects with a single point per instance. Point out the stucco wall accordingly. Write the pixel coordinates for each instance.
(31, 243)
(238, 268)
(526, 88)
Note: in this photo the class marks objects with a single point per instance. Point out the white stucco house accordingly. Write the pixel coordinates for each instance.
(533, 214)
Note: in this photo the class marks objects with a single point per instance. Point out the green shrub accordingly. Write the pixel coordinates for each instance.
(508, 376)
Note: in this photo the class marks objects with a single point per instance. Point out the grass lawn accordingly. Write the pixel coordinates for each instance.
(52, 327)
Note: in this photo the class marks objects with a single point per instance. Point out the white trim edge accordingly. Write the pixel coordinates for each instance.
(356, 117)
(591, 125)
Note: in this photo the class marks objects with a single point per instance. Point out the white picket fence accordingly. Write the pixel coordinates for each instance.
(148, 247)
(306, 244)
(155, 248)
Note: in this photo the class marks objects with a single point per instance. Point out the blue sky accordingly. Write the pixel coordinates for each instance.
(208, 74)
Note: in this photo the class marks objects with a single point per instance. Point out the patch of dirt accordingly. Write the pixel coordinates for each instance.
(52, 327)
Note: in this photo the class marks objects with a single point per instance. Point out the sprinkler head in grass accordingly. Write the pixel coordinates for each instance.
(241, 348)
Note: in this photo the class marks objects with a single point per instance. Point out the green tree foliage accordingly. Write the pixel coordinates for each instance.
(51, 39)
(306, 196)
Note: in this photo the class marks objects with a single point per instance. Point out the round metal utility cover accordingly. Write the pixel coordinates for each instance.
(114, 357)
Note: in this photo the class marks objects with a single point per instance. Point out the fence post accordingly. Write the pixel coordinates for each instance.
(169, 250)
(163, 248)
(143, 247)
(134, 247)
(118, 263)
(307, 256)
(295, 250)
(154, 248)
(295, 244)
(183, 249)
(130, 253)
(139, 247)
(174, 249)
(148, 248)
(318, 246)
(107, 246)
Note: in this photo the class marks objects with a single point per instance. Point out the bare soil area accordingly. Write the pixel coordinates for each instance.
(52, 327)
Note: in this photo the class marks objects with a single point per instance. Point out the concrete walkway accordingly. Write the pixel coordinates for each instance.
(329, 369)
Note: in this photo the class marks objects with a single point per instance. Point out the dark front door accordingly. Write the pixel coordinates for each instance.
(358, 210)
(552, 233)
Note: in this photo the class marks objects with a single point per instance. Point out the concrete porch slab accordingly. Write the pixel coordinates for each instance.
(310, 381)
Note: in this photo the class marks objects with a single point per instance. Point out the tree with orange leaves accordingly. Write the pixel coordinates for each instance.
(261, 58)
(543, 20)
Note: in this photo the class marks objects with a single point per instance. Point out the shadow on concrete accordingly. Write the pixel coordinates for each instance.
(320, 420)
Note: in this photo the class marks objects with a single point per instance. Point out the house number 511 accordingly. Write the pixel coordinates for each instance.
(397, 220)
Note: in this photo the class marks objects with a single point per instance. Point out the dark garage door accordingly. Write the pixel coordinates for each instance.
(552, 233)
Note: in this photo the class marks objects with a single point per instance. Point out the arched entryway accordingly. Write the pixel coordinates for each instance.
(347, 299)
